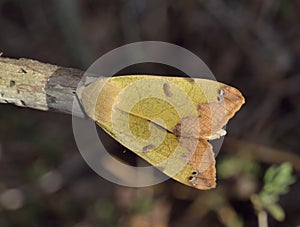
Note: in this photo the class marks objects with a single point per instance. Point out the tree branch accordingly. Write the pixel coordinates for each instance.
(29, 83)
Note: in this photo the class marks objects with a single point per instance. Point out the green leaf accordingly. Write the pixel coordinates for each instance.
(276, 182)
(278, 179)
(277, 212)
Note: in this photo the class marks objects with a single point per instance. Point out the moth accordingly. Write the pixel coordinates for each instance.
(167, 121)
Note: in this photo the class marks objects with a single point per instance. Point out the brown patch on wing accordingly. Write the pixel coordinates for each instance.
(201, 159)
(205, 180)
(233, 101)
(211, 116)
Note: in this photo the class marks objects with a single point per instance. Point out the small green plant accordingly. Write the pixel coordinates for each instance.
(277, 180)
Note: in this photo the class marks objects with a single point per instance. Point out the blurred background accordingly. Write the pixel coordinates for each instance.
(251, 45)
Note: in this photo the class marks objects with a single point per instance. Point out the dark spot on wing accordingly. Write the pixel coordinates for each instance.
(167, 91)
(148, 148)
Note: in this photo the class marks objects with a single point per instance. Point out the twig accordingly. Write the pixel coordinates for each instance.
(262, 218)
(29, 83)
